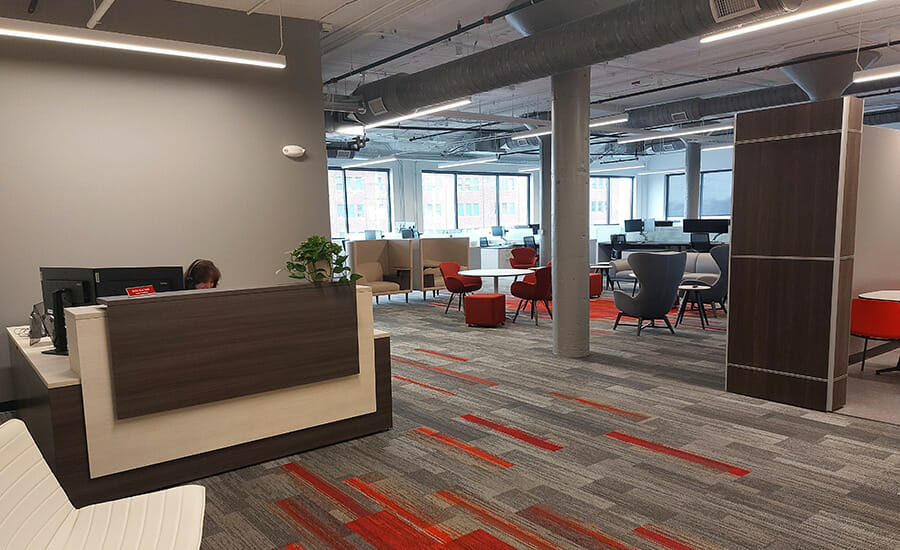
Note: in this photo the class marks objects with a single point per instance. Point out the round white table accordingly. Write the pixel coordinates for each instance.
(884, 295)
(496, 274)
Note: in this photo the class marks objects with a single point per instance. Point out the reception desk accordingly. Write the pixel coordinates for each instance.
(167, 388)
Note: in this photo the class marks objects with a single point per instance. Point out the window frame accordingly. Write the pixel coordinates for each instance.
(496, 175)
(390, 194)
(609, 195)
(702, 174)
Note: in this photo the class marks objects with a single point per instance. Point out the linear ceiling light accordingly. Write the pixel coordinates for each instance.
(420, 113)
(718, 148)
(879, 73)
(602, 170)
(608, 121)
(18, 28)
(531, 134)
(776, 21)
(466, 163)
(371, 162)
(676, 171)
(530, 169)
(679, 133)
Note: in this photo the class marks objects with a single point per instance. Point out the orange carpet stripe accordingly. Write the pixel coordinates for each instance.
(543, 515)
(601, 332)
(410, 363)
(661, 539)
(385, 531)
(442, 370)
(384, 499)
(327, 490)
(293, 546)
(629, 414)
(455, 358)
(512, 432)
(478, 539)
(678, 453)
(424, 385)
(475, 451)
(301, 517)
(489, 518)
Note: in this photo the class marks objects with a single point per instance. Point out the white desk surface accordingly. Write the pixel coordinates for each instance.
(494, 272)
(54, 370)
(885, 295)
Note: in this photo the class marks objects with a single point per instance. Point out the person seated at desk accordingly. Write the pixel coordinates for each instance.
(202, 274)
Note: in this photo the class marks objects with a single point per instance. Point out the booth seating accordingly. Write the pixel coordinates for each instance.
(385, 266)
(875, 320)
(427, 257)
(35, 512)
(487, 310)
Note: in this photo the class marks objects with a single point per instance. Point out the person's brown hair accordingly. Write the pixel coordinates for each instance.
(201, 271)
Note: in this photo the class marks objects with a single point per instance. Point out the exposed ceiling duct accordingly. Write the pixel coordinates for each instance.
(634, 27)
(829, 78)
(552, 14)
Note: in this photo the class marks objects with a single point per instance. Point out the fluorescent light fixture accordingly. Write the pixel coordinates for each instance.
(467, 163)
(17, 28)
(608, 121)
(351, 130)
(678, 171)
(420, 113)
(718, 148)
(679, 133)
(371, 162)
(602, 170)
(784, 20)
(879, 73)
(538, 169)
(531, 134)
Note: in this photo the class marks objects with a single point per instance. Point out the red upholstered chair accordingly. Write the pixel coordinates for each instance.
(532, 292)
(523, 258)
(456, 283)
(875, 320)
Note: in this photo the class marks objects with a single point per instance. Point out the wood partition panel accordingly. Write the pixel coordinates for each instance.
(793, 222)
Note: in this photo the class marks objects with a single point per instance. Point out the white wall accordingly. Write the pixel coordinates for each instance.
(119, 159)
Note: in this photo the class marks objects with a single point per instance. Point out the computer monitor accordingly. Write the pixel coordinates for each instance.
(372, 234)
(535, 228)
(705, 226)
(407, 233)
(663, 223)
(634, 226)
(497, 231)
(649, 225)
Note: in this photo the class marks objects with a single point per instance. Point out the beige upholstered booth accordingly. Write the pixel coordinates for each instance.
(385, 265)
(428, 255)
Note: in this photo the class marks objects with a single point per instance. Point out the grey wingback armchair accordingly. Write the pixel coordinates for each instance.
(659, 275)
(718, 294)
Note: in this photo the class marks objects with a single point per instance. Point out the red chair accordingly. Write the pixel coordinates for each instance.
(875, 320)
(456, 283)
(523, 258)
(540, 290)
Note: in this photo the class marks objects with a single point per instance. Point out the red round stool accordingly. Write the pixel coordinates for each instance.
(488, 310)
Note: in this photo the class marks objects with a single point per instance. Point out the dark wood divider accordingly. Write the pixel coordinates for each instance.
(793, 223)
(180, 349)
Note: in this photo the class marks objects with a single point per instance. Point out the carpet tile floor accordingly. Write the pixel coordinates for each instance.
(499, 444)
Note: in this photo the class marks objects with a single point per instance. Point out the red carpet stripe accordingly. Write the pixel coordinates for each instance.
(445, 371)
(385, 531)
(489, 518)
(440, 354)
(327, 490)
(301, 517)
(585, 535)
(478, 539)
(684, 455)
(629, 414)
(512, 432)
(411, 381)
(661, 539)
(475, 451)
(601, 332)
(708, 327)
(293, 546)
(383, 498)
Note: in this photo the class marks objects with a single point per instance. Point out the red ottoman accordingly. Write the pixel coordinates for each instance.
(487, 310)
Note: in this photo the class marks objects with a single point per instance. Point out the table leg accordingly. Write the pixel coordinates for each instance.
(703, 320)
(684, 301)
(496, 285)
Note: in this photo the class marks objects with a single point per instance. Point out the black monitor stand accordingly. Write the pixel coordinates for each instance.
(61, 300)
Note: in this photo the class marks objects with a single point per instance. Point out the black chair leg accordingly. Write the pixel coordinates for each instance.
(547, 305)
(892, 369)
(516, 316)
(865, 348)
(640, 325)
(407, 297)
(668, 324)
(449, 302)
(461, 295)
(618, 318)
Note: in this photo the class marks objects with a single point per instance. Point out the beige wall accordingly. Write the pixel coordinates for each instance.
(118, 159)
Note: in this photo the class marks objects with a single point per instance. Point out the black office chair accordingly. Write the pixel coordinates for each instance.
(483, 242)
(618, 245)
(700, 242)
(531, 243)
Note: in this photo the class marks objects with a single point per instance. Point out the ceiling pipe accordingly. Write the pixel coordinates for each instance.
(828, 78)
(631, 28)
(99, 13)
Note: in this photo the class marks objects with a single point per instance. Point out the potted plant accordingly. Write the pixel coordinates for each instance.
(319, 260)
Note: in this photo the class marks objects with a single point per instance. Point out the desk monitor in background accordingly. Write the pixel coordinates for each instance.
(497, 231)
(372, 234)
(705, 226)
(535, 228)
(663, 223)
(634, 226)
(407, 233)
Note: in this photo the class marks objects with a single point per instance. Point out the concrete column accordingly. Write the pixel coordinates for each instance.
(546, 199)
(692, 172)
(571, 159)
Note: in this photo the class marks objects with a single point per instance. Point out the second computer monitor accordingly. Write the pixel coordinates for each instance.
(634, 226)
(497, 231)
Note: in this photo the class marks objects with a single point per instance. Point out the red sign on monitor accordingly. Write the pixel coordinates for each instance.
(140, 290)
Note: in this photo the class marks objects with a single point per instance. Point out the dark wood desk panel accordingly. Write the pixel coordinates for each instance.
(173, 350)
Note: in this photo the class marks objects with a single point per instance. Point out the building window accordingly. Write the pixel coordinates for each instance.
(676, 196)
(612, 200)
(359, 200)
(475, 201)
(513, 193)
(715, 194)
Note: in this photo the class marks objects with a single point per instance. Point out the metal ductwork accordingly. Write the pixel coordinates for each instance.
(547, 15)
(882, 118)
(630, 28)
(829, 78)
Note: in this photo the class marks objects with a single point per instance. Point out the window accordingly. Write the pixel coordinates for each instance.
(479, 193)
(513, 193)
(475, 201)
(440, 190)
(359, 200)
(715, 194)
(612, 200)
(676, 196)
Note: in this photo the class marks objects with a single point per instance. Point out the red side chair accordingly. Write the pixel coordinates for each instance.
(530, 277)
(540, 290)
(875, 320)
(523, 258)
(456, 283)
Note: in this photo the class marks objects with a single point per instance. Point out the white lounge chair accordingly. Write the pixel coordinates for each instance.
(35, 512)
